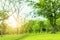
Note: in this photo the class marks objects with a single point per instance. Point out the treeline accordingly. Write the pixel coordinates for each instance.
(34, 26)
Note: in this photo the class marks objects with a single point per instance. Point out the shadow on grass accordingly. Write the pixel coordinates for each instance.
(23, 36)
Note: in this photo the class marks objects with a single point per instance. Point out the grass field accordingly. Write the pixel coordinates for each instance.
(32, 36)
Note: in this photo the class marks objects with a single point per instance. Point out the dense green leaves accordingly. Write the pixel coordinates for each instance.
(50, 9)
(35, 26)
(3, 14)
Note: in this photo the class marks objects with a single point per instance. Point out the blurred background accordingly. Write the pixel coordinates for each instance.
(29, 16)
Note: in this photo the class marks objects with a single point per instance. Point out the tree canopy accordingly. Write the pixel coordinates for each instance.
(50, 9)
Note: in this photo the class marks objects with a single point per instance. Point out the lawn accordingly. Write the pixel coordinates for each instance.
(32, 36)
(43, 37)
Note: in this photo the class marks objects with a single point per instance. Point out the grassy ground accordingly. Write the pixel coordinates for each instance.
(12, 37)
(43, 37)
(32, 36)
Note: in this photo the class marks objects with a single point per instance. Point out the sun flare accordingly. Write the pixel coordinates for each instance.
(11, 22)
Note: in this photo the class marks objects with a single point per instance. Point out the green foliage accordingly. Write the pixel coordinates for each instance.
(3, 16)
(35, 26)
(49, 9)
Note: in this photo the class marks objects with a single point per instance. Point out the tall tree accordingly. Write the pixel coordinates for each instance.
(49, 9)
(3, 17)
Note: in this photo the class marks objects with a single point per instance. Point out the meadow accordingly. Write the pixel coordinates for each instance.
(32, 36)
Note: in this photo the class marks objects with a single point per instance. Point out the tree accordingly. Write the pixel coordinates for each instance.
(33, 26)
(3, 17)
(49, 9)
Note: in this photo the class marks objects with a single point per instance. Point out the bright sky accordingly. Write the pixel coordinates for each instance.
(24, 12)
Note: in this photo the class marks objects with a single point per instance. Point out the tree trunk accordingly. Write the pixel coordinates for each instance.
(53, 23)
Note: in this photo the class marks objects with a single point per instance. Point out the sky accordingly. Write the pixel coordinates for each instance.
(24, 12)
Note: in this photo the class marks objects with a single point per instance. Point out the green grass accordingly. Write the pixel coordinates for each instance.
(43, 37)
(12, 37)
(32, 36)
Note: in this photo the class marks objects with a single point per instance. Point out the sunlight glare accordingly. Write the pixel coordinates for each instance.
(11, 21)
